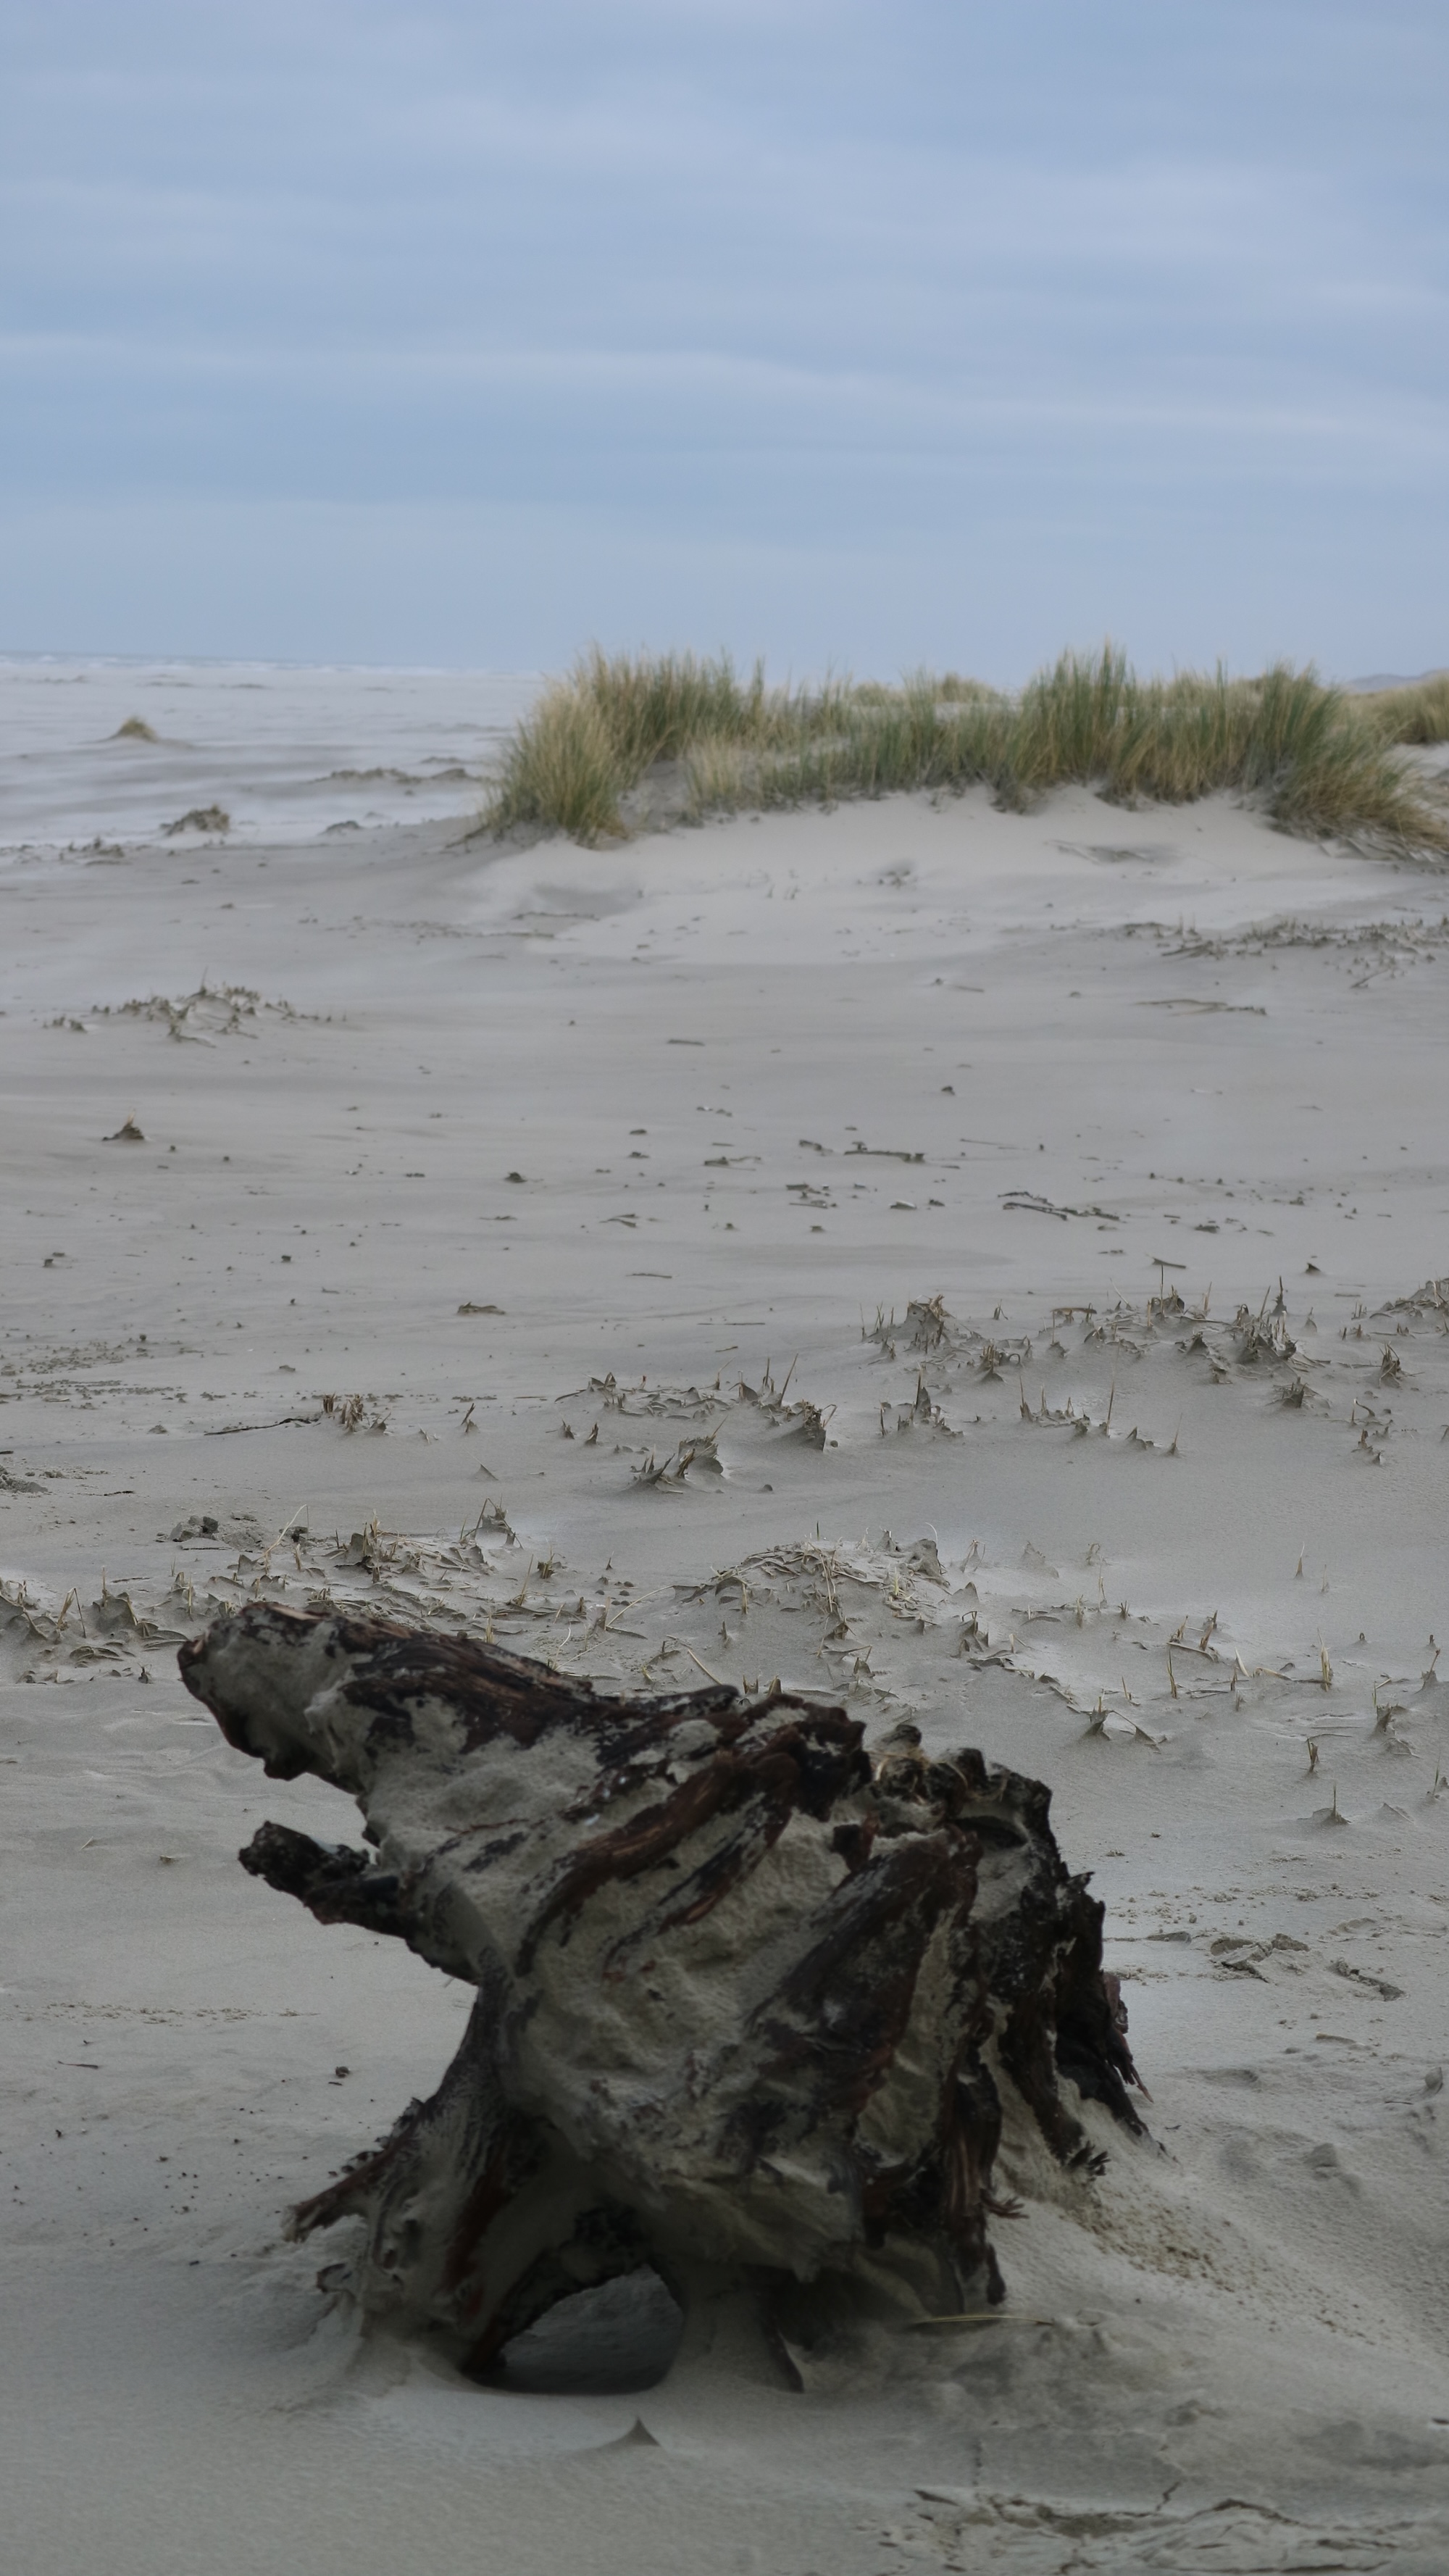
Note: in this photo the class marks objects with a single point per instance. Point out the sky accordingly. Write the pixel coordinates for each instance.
(944, 332)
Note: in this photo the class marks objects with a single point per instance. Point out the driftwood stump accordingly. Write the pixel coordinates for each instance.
(747, 2000)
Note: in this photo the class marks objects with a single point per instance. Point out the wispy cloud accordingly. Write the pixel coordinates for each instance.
(700, 269)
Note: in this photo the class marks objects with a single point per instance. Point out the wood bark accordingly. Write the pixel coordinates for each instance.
(749, 2001)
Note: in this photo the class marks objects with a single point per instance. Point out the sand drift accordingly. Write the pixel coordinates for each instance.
(987, 1270)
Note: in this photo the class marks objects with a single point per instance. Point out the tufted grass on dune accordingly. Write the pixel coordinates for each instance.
(1320, 762)
(1418, 712)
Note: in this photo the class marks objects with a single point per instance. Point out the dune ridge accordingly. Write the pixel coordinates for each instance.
(1319, 760)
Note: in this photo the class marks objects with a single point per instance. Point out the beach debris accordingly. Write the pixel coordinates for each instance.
(699, 1452)
(212, 1011)
(927, 1322)
(1032, 1203)
(1432, 1298)
(929, 1327)
(128, 1133)
(277, 1422)
(1194, 1002)
(468, 1308)
(921, 1414)
(1374, 948)
(674, 1403)
(350, 1411)
(1362, 1977)
(201, 818)
(135, 729)
(1262, 1337)
(978, 2527)
(802, 1420)
(749, 1996)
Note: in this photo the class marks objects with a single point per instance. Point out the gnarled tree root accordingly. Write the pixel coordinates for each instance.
(746, 1999)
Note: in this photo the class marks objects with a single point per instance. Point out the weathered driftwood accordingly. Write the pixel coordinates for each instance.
(747, 2000)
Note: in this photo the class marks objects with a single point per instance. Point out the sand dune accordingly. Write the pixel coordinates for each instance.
(992, 1268)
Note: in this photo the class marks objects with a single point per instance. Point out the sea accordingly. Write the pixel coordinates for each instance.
(116, 750)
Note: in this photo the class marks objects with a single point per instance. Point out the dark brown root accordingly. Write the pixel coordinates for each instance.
(746, 2000)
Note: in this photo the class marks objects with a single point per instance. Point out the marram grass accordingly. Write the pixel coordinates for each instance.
(1419, 712)
(1321, 762)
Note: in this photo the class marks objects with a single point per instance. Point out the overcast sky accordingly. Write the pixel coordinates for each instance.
(869, 332)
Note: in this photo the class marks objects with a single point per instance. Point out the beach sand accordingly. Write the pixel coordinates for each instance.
(1030, 1226)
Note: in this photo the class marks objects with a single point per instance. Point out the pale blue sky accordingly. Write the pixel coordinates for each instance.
(937, 331)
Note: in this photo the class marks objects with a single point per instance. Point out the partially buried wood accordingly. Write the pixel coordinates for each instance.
(749, 2002)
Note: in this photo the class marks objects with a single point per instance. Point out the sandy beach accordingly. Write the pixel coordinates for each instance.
(965, 1231)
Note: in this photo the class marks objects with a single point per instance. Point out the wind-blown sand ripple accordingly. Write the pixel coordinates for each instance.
(979, 1279)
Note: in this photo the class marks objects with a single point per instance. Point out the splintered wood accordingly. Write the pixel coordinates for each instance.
(750, 2002)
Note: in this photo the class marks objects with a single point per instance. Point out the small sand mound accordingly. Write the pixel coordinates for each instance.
(212, 1011)
(202, 818)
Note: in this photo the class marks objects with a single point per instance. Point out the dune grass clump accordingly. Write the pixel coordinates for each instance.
(1417, 713)
(563, 769)
(1320, 761)
(655, 707)
(597, 733)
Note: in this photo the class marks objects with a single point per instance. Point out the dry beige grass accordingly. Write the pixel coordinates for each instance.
(1322, 762)
(1417, 714)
